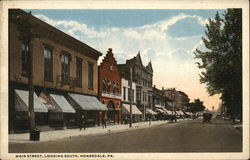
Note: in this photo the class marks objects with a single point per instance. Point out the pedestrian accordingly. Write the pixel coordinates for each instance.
(84, 122)
(104, 121)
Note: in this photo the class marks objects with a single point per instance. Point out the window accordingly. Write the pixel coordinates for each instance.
(78, 72)
(90, 76)
(133, 95)
(25, 52)
(104, 86)
(65, 60)
(48, 63)
(129, 94)
(124, 93)
(109, 85)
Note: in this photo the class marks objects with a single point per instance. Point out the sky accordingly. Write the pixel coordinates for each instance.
(167, 38)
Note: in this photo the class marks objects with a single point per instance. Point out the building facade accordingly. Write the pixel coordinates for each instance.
(143, 77)
(61, 65)
(110, 86)
(179, 98)
(126, 98)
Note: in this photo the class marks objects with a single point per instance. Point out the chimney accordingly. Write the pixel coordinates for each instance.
(163, 88)
(154, 86)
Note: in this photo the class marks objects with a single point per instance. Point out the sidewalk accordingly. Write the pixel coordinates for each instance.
(69, 133)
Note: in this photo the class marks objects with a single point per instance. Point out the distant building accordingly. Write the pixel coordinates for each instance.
(110, 87)
(64, 70)
(179, 98)
(143, 77)
(160, 101)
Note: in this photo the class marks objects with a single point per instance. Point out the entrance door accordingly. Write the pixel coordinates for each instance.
(111, 112)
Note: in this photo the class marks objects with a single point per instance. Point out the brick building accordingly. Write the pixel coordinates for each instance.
(109, 90)
(64, 70)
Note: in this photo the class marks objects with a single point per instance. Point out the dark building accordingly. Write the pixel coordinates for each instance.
(143, 77)
(64, 70)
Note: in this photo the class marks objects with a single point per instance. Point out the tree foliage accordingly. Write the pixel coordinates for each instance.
(196, 106)
(221, 61)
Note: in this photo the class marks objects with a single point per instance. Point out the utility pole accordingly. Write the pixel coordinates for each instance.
(31, 94)
(27, 38)
(131, 92)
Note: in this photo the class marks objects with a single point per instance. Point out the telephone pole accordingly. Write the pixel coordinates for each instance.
(131, 92)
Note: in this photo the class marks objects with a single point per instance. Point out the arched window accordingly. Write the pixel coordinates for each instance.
(114, 87)
(104, 85)
(108, 86)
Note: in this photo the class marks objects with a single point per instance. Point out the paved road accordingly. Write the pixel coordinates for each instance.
(185, 136)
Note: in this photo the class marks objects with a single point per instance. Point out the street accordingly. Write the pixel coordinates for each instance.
(183, 136)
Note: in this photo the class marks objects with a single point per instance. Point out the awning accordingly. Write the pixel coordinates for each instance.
(46, 101)
(150, 111)
(160, 110)
(168, 112)
(62, 104)
(163, 109)
(135, 110)
(180, 113)
(88, 102)
(22, 102)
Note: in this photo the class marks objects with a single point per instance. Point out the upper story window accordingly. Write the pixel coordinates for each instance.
(48, 65)
(25, 53)
(78, 72)
(124, 93)
(111, 67)
(116, 88)
(90, 76)
(104, 85)
(108, 86)
(65, 68)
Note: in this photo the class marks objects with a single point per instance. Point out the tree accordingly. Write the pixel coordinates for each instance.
(221, 61)
(196, 106)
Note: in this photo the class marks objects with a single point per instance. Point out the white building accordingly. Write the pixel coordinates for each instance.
(126, 102)
(126, 93)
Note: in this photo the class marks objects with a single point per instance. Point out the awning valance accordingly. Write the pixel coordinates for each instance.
(135, 110)
(22, 102)
(62, 104)
(150, 111)
(88, 102)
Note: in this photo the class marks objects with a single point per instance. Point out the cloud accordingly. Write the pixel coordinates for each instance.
(171, 56)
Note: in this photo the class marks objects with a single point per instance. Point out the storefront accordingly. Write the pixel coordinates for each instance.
(136, 113)
(64, 113)
(151, 114)
(21, 121)
(87, 107)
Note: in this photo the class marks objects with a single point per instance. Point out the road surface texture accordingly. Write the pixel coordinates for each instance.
(184, 136)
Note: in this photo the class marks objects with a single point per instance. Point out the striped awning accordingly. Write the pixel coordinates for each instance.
(22, 102)
(135, 110)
